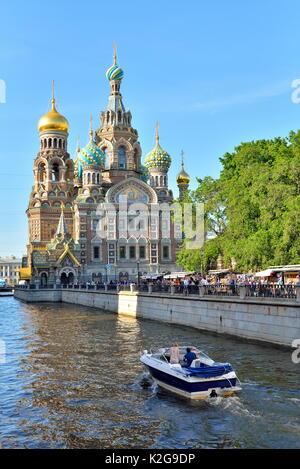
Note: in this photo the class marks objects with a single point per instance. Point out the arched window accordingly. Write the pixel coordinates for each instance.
(107, 117)
(119, 116)
(59, 143)
(42, 172)
(93, 178)
(98, 178)
(55, 142)
(45, 143)
(165, 181)
(55, 172)
(106, 162)
(122, 157)
(49, 142)
(156, 180)
(44, 279)
(161, 180)
(89, 178)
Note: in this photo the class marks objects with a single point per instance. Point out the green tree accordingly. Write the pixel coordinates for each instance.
(252, 210)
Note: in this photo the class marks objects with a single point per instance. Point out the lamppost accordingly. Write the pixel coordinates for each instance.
(138, 271)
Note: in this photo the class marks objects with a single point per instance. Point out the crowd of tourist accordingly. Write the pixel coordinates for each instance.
(214, 284)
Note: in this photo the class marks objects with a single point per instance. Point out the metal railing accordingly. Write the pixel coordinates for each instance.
(271, 291)
(254, 290)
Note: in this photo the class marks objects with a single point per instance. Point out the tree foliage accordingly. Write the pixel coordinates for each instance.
(252, 211)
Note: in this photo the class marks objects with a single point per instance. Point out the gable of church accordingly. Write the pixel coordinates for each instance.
(133, 190)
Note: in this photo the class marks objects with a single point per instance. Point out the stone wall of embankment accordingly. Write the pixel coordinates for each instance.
(266, 320)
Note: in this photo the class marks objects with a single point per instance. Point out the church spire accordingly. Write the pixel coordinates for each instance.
(91, 132)
(183, 179)
(156, 133)
(115, 53)
(115, 113)
(62, 229)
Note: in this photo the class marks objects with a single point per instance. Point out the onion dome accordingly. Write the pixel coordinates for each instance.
(53, 120)
(158, 158)
(182, 178)
(90, 155)
(114, 72)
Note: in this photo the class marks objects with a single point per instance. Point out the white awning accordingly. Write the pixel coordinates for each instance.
(178, 275)
(264, 273)
(216, 272)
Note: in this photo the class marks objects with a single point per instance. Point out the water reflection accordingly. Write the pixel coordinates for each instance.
(73, 380)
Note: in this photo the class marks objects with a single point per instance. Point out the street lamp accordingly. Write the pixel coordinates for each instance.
(138, 271)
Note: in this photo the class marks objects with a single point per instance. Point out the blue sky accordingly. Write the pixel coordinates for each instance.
(212, 73)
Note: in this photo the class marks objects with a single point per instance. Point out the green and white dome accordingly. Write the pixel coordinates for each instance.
(89, 155)
(158, 158)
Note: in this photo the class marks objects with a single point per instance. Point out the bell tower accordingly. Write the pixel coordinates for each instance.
(116, 137)
(53, 178)
(183, 179)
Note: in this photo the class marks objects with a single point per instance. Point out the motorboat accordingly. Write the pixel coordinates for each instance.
(203, 378)
(4, 291)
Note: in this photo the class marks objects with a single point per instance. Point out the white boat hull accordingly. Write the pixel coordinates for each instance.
(175, 379)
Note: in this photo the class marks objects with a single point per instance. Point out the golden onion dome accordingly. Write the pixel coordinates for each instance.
(53, 120)
(182, 177)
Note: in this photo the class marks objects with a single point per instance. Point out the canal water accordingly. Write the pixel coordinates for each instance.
(72, 379)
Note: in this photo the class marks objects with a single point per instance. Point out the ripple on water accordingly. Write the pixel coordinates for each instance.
(73, 380)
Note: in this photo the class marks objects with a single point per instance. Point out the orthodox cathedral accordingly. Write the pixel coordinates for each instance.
(99, 216)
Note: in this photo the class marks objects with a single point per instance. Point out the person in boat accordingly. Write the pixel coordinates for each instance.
(189, 357)
(174, 354)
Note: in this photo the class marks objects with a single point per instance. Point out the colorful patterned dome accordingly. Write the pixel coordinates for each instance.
(158, 158)
(90, 154)
(114, 73)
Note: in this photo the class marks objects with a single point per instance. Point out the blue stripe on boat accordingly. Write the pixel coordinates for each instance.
(188, 386)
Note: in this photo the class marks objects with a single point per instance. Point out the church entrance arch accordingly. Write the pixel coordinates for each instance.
(67, 276)
(44, 279)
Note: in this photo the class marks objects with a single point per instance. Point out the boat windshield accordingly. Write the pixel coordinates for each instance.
(164, 354)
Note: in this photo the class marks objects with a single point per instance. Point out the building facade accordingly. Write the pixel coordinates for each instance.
(101, 216)
(9, 270)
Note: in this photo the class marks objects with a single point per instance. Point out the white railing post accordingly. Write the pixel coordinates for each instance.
(242, 292)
